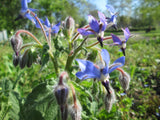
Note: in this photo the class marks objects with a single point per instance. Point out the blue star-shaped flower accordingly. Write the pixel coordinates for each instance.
(119, 42)
(24, 9)
(96, 27)
(54, 29)
(89, 70)
(113, 15)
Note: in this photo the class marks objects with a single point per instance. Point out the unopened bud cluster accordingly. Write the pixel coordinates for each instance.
(28, 57)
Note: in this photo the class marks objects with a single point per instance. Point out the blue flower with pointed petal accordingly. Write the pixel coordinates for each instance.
(89, 70)
(24, 10)
(119, 42)
(96, 27)
(113, 15)
(54, 29)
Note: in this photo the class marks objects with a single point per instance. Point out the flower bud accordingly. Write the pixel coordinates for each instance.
(64, 111)
(75, 112)
(75, 109)
(69, 23)
(109, 99)
(15, 60)
(23, 59)
(30, 59)
(124, 80)
(69, 26)
(16, 42)
(61, 91)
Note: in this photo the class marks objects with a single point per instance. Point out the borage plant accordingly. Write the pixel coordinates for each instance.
(89, 94)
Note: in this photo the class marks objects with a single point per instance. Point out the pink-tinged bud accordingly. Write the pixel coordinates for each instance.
(124, 79)
(15, 60)
(109, 100)
(61, 90)
(16, 42)
(69, 23)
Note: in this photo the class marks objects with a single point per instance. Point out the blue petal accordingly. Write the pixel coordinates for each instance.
(126, 33)
(103, 20)
(105, 71)
(55, 28)
(27, 15)
(24, 4)
(110, 9)
(113, 19)
(47, 23)
(29, 1)
(117, 63)
(93, 23)
(88, 70)
(33, 10)
(116, 39)
(105, 56)
(83, 32)
(37, 23)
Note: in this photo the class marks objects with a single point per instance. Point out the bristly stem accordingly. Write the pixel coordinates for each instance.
(77, 34)
(70, 58)
(40, 25)
(98, 42)
(121, 70)
(74, 96)
(30, 34)
(30, 44)
(54, 63)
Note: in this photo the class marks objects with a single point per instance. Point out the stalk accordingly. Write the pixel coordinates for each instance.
(70, 58)
(30, 34)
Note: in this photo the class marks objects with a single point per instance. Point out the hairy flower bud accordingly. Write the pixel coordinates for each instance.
(69, 23)
(75, 112)
(23, 59)
(64, 111)
(15, 60)
(124, 80)
(30, 59)
(69, 26)
(16, 42)
(61, 91)
(109, 99)
(75, 109)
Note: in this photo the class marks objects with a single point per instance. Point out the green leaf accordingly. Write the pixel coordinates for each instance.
(82, 90)
(44, 56)
(15, 106)
(41, 104)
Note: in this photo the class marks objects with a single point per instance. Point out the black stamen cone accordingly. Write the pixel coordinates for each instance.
(123, 50)
(19, 17)
(106, 86)
(100, 41)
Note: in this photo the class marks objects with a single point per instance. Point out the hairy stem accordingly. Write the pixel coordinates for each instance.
(70, 58)
(98, 42)
(30, 34)
(40, 26)
(54, 63)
